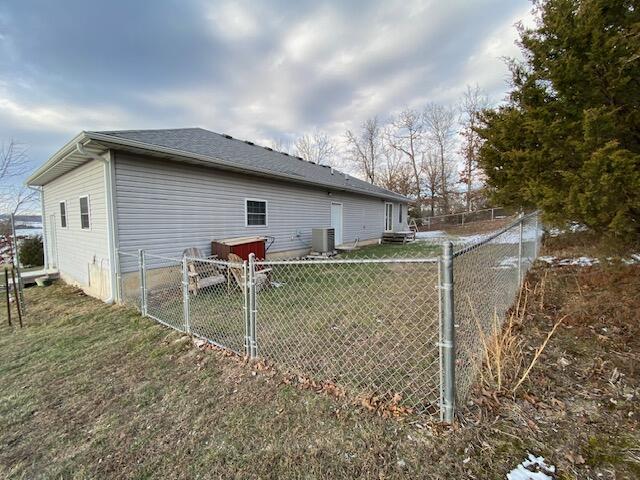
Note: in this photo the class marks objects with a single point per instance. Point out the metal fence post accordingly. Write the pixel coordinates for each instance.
(186, 313)
(252, 307)
(535, 238)
(447, 344)
(492, 214)
(246, 309)
(520, 250)
(143, 282)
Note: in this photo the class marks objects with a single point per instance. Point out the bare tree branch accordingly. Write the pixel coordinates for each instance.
(406, 135)
(317, 148)
(364, 147)
(13, 160)
(439, 121)
(473, 102)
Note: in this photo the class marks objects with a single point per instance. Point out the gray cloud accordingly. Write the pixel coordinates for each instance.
(259, 70)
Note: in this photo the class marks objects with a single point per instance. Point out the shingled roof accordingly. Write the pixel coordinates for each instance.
(248, 156)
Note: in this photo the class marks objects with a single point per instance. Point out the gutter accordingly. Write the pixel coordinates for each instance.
(108, 188)
(57, 157)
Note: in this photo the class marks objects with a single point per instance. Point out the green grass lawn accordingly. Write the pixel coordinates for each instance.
(328, 321)
(417, 249)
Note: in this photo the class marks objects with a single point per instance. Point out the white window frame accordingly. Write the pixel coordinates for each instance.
(246, 212)
(89, 211)
(400, 213)
(66, 214)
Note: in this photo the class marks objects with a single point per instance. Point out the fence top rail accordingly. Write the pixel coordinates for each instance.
(347, 261)
(162, 257)
(180, 259)
(432, 217)
(497, 233)
(214, 261)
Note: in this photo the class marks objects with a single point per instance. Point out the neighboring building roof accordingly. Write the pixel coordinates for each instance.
(222, 151)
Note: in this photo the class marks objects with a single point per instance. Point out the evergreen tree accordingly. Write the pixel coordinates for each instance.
(568, 140)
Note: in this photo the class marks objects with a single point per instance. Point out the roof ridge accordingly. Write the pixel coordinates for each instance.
(136, 130)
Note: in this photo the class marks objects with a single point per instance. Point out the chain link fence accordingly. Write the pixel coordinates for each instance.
(369, 326)
(435, 222)
(402, 329)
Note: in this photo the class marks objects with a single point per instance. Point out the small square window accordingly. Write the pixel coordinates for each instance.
(256, 211)
(63, 214)
(85, 217)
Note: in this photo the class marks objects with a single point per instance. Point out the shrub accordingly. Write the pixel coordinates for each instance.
(32, 251)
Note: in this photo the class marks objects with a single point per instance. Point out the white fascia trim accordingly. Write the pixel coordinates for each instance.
(57, 157)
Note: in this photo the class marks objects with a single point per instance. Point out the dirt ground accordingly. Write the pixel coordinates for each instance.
(92, 391)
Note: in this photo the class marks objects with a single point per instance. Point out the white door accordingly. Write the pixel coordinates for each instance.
(336, 221)
(388, 217)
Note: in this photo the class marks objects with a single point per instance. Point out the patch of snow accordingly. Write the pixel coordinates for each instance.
(28, 232)
(573, 227)
(547, 259)
(533, 468)
(563, 262)
(509, 262)
(431, 234)
(580, 261)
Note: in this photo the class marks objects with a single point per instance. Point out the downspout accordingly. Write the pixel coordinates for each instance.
(108, 188)
(44, 227)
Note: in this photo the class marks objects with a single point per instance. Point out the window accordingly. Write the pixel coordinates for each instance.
(400, 213)
(63, 214)
(256, 211)
(85, 217)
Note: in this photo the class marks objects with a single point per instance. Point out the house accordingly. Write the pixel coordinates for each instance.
(168, 190)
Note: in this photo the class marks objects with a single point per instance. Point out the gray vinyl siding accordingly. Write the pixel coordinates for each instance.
(165, 207)
(73, 249)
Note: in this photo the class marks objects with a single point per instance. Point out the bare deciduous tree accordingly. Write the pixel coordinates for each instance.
(14, 163)
(15, 199)
(317, 148)
(364, 147)
(431, 178)
(281, 145)
(473, 102)
(439, 121)
(406, 135)
(13, 160)
(394, 173)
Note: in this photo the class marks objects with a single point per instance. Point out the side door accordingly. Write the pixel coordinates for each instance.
(336, 221)
(388, 217)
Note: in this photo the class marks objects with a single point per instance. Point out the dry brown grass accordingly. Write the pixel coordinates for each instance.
(503, 368)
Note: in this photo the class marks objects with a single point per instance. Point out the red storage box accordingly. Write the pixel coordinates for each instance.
(241, 246)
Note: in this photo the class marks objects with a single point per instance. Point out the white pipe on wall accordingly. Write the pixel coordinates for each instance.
(108, 188)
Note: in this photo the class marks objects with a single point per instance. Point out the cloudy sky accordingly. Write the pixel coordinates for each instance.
(255, 70)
